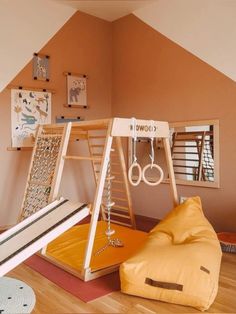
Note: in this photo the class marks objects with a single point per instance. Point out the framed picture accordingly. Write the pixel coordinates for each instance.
(28, 109)
(76, 91)
(41, 67)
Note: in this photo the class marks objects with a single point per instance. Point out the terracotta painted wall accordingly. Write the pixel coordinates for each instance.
(205, 28)
(154, 78)
(83, 45)
(148, 76)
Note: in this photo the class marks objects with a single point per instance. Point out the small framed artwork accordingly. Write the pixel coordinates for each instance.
(41, 67)
(76, 91)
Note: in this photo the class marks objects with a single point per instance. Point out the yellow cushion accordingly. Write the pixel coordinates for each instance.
(179, 262)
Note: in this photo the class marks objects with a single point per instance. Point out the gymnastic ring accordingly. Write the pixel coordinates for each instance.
(130, 173)
(152, 166)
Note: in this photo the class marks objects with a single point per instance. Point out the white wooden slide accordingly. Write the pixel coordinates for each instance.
(36, 231)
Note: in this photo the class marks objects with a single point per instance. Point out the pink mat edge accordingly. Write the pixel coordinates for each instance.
(85, 291)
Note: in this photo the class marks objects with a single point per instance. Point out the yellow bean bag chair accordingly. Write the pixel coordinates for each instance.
(180, 261)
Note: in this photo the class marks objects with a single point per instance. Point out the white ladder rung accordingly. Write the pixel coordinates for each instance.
(119, 190)
(116, 190)
(119, 199)
(83, 158)
(117, 215)
(109, 178)
(121, 207)
(108, 204)
(96, 136)
(116, 172)
(118, 181)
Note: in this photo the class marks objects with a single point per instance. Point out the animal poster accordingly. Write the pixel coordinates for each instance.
(41, 67)
(28, 109)
(76, 91)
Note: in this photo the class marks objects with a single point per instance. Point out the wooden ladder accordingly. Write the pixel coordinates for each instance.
(121, 211)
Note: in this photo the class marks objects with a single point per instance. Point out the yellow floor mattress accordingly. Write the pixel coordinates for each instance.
(69, 248)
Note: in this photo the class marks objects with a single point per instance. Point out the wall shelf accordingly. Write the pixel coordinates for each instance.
(19, 148)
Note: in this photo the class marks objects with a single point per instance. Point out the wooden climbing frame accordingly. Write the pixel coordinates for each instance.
(104, 140)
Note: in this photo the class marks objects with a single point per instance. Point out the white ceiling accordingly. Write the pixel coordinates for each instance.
(109, 10)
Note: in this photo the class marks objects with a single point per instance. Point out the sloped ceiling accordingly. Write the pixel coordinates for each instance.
(206, 28)
(109, 10)
(25, 27)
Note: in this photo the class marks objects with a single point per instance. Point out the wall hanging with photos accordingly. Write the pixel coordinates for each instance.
(76, 90)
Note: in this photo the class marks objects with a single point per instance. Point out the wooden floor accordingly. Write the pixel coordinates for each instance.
(54, 300)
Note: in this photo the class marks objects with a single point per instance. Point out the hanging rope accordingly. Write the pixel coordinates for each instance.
(135, 162)
(152, 164)
(109, 202)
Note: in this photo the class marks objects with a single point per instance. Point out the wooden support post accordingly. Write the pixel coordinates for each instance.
(60, 163)
(94, 160)
(171, 171)
(97, 202)
(38, 133)
(125, 178)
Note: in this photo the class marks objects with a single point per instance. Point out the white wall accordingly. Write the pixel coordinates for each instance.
(206, 28)
(25, 27)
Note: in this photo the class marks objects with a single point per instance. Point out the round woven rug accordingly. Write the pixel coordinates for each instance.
(15, 296)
